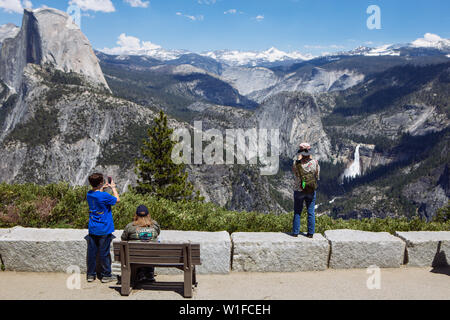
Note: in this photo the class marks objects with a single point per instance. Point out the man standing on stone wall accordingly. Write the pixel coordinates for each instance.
(306, 176)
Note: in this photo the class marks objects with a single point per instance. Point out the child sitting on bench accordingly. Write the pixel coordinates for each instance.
(143, 228)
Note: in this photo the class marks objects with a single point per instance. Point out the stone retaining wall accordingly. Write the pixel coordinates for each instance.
(54, 250)
(278, 252)
(4, 231)
(44, 250)
(426, 248)
(361, 249)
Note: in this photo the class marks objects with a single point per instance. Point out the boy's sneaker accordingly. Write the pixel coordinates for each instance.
(109, 279)
(90, 278)
(310, 235)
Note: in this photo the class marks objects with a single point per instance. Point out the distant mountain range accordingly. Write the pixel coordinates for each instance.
(430, 44)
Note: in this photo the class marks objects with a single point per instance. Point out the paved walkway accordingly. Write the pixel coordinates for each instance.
(402, 283)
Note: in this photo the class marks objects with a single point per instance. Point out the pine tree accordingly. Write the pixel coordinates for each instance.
(157, 174)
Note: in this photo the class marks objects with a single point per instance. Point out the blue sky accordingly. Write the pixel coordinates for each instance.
(308, 26)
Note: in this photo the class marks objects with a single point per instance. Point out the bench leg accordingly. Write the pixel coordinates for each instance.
(188, 282)
(125, 289)
(133, 275)
(194, 277)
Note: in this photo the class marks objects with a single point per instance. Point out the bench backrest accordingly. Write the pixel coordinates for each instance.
(157, 253)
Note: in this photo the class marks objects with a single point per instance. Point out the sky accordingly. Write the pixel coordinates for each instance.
(307, 26)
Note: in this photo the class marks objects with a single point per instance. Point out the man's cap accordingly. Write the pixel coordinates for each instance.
(305, 149)
(142, 211)
(305, 145)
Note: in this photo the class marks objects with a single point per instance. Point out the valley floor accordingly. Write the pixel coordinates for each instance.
(402, 283)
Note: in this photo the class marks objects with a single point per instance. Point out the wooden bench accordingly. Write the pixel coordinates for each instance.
(133, 255)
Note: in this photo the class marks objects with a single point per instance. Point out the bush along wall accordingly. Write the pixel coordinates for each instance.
(62, 206)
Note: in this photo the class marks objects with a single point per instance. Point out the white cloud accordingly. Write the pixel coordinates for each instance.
(138, 3)
(94, 5)
(231, 11)
(206, 1)
(431, 40)
(130, 42)
(129, 45)
(259, 18)
(15, 6)
(192, 18)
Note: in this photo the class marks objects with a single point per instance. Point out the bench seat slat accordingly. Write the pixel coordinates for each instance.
(161, 253)
(174, 265)
(195, 260)
(156, 246)
(139, 259)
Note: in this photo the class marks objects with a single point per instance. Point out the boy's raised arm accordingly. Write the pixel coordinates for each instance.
(114, 190)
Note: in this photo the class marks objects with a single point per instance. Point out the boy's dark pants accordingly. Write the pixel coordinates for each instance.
(100, 245)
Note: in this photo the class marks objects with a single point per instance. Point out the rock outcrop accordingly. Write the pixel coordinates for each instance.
(249, 80)
(298, 118)
(316, 80)
(62, 132)
(48, 37)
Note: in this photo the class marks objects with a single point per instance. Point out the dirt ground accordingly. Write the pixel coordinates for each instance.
(402, 283)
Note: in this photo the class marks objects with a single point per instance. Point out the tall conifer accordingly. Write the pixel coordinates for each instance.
(157, 174)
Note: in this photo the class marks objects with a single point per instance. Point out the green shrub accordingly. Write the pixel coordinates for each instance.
(62, 206)
(443, 214)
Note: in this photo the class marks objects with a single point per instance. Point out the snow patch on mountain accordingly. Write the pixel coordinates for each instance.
(385, 50)
(254, 58)
(430, 41)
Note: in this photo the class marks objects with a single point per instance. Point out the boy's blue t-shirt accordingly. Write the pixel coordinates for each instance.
(100, 216)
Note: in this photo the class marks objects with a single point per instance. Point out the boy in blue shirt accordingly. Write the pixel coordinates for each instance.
(101, 227)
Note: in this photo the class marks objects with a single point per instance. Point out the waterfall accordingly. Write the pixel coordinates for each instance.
(355, 169)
